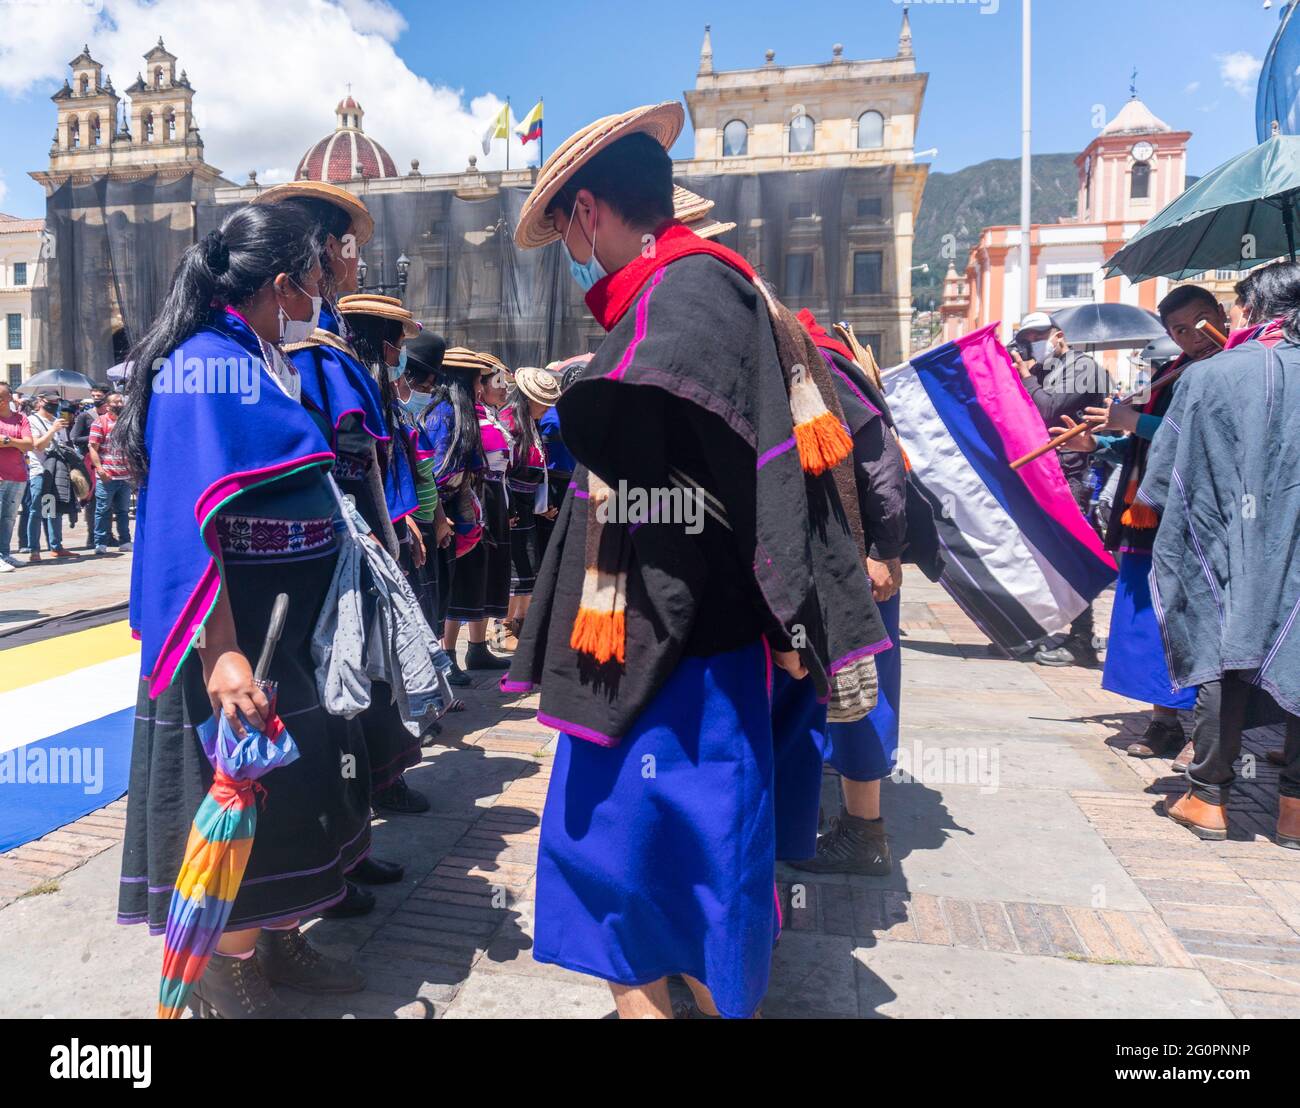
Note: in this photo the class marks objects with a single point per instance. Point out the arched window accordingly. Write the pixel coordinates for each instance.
(871, 131)
(171, 125)
(803, 129)
(1139, 187)
(85, 84)
(735, 139)
(74, 133)
(94, 130)
(147, 123)
(157, 76)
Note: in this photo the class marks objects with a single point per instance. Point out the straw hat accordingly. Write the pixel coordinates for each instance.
(462, 358)
(383, 307)
(663, 122)
(538, 385)
(493, 363)
(363, 223)
(693, 210)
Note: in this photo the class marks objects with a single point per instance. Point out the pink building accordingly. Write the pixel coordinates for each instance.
(1133, 168)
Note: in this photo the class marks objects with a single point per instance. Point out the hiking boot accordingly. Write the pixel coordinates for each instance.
(1205, 821)
(401, 798)
(356, 902)
(478, 656)
(237, 989)
(289, 959)
(458, 676)
(373, 871)
(1288, 822)
(1074, 651)
(852, 845)
(1161, 738)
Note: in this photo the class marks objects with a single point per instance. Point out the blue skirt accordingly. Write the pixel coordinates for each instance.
(1135, 653)
(865, 750)
(658, 856)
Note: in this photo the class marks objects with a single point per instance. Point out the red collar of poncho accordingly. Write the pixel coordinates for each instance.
(611, 296)
(823, 340)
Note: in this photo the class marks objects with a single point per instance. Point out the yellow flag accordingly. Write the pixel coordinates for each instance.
(498, 128)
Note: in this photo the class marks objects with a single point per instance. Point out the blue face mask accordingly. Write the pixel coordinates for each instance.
(416, 403)
(396, 371)
(588, 273)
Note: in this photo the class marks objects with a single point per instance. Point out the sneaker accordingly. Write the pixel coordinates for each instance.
(289, 959)
(1071, 652)
(852, 845)
(124, 547)
(6, 566)
(101, 549)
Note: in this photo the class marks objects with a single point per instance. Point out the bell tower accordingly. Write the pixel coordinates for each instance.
(162, 108)
(87, 116)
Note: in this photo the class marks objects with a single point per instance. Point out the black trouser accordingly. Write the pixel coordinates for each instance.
(1082, 627)
(1217, 724)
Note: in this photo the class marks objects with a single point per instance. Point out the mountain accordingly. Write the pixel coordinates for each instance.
(962, 204)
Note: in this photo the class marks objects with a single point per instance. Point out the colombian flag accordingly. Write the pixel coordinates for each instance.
(530, 127)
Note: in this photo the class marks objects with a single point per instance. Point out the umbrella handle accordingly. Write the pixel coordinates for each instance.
(273, 633)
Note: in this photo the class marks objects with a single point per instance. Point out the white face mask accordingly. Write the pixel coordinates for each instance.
(299, 330)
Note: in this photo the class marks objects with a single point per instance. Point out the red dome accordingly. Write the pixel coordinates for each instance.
(348, 153)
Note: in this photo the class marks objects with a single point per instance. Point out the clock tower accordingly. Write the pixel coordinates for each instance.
(1134, 167)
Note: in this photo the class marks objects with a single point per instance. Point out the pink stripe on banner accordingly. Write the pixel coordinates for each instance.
(1021, 428)
(642, 325)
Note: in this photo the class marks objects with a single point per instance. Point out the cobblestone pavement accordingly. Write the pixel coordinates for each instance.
(1034, 876)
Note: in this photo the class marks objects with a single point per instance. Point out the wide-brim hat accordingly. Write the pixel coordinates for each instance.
(492, 363)
(382, 307)
(462, 361)
(363, 223)
(693, 210)
(539, 385)
(662, 122)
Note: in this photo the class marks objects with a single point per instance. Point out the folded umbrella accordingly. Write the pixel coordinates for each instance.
(221, 837)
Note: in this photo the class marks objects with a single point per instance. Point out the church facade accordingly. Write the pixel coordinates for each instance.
(814, 163)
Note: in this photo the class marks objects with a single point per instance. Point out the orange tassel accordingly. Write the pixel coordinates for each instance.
(599, 635)
(1140, 516)
(823, 443)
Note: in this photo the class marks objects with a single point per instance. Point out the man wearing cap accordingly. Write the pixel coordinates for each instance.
(681, 649)
(1062, 383)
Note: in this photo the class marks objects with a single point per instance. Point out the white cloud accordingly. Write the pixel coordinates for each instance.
(4, 187)
(266, 76)
(1191, 87)
(1239, 71)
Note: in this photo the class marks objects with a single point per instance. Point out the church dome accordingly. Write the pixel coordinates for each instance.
(348, 153)
(1135, 118)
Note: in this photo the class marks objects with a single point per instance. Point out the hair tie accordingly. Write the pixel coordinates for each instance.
(216, 253)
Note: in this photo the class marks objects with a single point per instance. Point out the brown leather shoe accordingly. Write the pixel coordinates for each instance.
(1160, 740)
(1205, 821)
(1184, 759)
(1288, 822)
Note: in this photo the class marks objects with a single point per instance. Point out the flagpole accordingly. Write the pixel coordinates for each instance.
(541, 139)
(507, 134)
(1025, 178)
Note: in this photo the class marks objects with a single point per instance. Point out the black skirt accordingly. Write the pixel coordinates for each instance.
(313, 823)
(481, 586)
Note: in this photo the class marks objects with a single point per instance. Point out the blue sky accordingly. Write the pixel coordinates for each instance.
(456, 61)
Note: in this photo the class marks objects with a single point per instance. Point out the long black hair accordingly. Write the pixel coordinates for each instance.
(525, 427)
(368, 334)
(229, 266)
(329, 219)
(1274, 291)
(456, 388)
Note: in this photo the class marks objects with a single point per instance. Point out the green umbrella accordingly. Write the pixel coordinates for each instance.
(1236, 216)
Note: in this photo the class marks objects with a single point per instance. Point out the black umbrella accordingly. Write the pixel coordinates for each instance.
(68, 383)
(1108, 326)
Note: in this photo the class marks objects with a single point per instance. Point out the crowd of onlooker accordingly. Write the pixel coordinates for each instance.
(57, 464)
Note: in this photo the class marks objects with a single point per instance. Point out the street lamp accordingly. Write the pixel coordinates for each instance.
(403, 274)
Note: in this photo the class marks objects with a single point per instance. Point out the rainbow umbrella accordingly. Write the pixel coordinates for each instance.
(221, 837)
